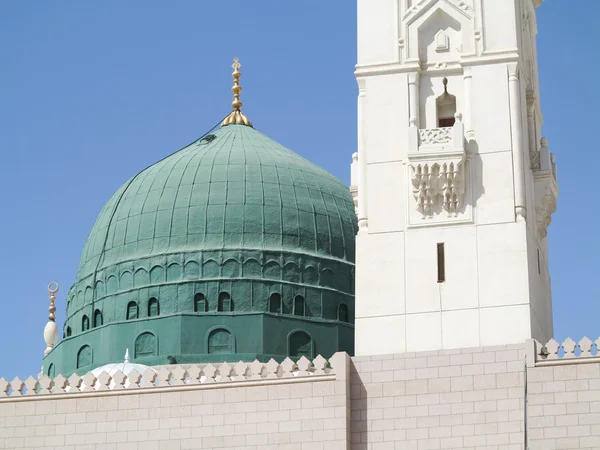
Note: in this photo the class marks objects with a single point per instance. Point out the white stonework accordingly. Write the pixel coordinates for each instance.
(507, 397)
(481, 184)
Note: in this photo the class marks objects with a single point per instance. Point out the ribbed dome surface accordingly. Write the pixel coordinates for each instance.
(238, 190)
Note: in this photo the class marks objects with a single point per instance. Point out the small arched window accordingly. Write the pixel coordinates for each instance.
(132, 311)
(225, 303)
(153, 307)
(85, 323)
(68, 332)
(50, 371)
(275, 305)
(145, 345)
(84, 356)
(200, 303)
(343, 313)
(220, 341)
(97, 318)
(299, 306)
(446, 107)
(301, 344)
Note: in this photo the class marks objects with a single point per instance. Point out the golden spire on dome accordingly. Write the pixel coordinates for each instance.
(236, 116)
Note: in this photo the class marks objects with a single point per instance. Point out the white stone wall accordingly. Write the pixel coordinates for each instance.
(493, 293)
(467, 399)
(564, 406)
(305, 415)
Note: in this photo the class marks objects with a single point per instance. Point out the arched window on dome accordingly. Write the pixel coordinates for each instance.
(299, 307)
(85, 323)
(275, 305)
(132, 311)
(84, 356)
(343, 313)
(97, 318)
(300, 344)
(153, 307)
(225, 303)
(220, 341)
(50, 371)
(68, 332)
(200, 303)
(145, 345)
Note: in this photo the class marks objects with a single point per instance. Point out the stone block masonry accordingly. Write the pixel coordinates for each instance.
(460, 399)
(563, 392)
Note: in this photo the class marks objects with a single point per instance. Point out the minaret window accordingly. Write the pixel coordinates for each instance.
(441, 263)
(446, 107)
(153, 307)
(68, 332)
(275, 304)
(200, 303)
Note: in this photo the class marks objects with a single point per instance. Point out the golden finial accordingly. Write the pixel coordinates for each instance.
(236, 116)
(53, 289)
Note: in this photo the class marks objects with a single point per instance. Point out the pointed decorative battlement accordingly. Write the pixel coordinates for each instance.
(173, 376)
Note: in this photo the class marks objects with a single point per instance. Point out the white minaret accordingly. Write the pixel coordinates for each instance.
(455, 186)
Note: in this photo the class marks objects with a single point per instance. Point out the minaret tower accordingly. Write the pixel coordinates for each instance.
(454, 185)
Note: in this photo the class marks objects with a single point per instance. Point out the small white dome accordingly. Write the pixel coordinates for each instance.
(126, 367)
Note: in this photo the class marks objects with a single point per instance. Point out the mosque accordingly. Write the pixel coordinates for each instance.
(234, 295)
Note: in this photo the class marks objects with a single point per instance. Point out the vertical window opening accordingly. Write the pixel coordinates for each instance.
(299, 306)
(225, 304)
(275, 304)
(441, 263)
(132, 311)
(97, 318)
(85, 323)
(538, 259)
(153, 307)
(200, 304)
(446, 107)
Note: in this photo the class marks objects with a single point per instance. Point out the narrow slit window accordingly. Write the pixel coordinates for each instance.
(539, 265)
(441, 263)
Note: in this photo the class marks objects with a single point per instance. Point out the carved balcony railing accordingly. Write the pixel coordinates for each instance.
(435, 136)
(437, 159)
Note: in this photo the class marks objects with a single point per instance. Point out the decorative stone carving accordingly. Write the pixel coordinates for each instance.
(546, 188)
(442, 42)
(438, 182)
(435, 136)
(545, 207)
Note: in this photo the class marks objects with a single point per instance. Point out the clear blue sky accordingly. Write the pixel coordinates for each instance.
(92, 92)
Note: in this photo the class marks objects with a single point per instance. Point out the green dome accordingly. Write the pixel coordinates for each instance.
(234, 235)
(239, 190)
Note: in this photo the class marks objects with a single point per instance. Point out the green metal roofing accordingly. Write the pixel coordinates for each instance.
(240, 190)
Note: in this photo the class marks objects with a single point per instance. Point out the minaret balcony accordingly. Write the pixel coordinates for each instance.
(438, 173)
(545, 187)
